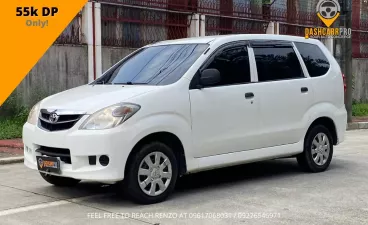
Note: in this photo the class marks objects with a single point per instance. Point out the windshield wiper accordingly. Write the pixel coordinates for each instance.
(99, 82)
(130, 83)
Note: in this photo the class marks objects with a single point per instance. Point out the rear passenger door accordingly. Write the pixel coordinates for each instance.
(285, 92)
(325, 80)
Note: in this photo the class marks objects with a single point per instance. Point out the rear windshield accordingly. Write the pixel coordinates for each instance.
(157, 65)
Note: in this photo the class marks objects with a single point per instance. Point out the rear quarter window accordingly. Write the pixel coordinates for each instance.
(314, 59)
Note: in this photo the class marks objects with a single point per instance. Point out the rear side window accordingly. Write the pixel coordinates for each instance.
(277, 63)
(314, 59)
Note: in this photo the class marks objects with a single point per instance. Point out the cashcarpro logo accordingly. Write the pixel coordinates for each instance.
(328, 11)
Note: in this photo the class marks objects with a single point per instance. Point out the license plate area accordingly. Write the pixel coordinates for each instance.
(48, 164)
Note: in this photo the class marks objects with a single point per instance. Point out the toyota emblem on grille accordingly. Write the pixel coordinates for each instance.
(53, 118)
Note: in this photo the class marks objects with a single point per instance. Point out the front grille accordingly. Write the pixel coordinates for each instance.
(64, 121)
(62, 153)
(56, 127)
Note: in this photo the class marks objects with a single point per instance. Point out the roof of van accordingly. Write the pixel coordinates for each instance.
(235, 37)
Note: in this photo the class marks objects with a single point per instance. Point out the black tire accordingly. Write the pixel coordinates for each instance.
(306, 160)
(59, 181)
(131, 186)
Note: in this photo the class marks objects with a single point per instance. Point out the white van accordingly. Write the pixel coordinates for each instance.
(183, 106)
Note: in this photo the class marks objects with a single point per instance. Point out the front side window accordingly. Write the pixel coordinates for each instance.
(233, 64)
(316, 62)
(156, 65)
(277, 63)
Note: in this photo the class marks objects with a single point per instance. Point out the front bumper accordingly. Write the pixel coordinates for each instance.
(115, 143)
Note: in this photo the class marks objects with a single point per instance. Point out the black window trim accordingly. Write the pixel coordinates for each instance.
(277, 43)
(194, 84)
(269, 43)
(306, 72)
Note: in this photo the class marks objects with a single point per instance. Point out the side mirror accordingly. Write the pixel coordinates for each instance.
(210, 77)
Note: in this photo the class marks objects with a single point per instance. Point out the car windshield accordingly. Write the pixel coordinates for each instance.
(156, 65)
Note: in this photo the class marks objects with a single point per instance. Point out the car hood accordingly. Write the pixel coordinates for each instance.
(91, 98)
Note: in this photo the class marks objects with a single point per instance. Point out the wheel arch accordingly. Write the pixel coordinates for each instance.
(328, 123)
(167, 138)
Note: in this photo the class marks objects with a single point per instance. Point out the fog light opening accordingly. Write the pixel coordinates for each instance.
(104, 160)
(92, 160)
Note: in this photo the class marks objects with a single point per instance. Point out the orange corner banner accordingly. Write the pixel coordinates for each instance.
(28, 29)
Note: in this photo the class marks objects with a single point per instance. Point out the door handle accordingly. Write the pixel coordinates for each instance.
(249, 95)
(304, 89)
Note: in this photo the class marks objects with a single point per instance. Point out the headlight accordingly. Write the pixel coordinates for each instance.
(33, 114)
(110, 117)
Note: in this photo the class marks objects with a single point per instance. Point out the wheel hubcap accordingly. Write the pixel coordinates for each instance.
(154, 173)
(320, 149)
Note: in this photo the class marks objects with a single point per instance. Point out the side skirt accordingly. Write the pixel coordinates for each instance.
(237, 158)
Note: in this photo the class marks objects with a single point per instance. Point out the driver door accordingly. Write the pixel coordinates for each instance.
(225, 116)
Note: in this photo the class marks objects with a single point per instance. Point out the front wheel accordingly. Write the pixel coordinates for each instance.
(318, 150)
(151, 174)
(59, 181)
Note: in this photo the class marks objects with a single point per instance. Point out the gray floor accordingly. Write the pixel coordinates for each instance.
(275, 192)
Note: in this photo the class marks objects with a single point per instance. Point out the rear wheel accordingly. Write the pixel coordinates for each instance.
(318, 150)
(59, 181)
(151, 174)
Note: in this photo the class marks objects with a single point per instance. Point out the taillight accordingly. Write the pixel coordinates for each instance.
(344, 80)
